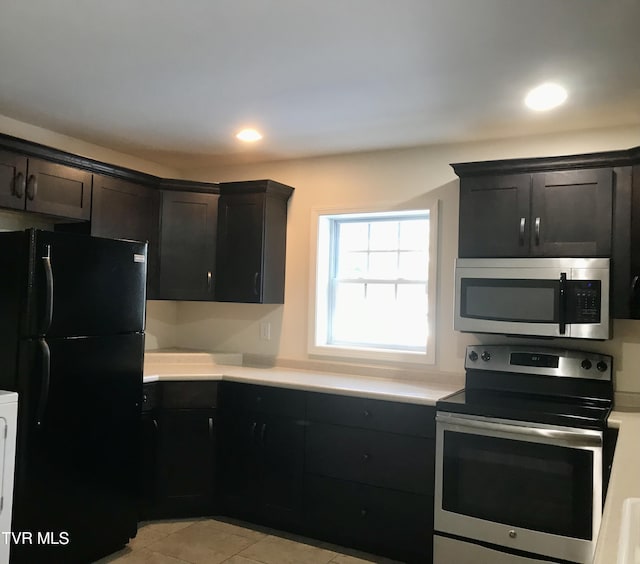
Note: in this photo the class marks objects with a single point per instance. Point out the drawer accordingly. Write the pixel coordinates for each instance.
(150, 396)
(263, 399)
(189, 394)
(395, 524)
(371, 457)
(395, 417)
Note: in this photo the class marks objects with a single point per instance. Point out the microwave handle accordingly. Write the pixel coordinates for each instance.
(562, 306)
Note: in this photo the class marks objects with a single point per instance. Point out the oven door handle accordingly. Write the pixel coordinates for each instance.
(566, 436)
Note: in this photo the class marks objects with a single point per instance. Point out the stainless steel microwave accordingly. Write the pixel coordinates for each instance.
(555, 297)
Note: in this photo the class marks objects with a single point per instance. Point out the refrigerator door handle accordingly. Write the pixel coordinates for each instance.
(48, 307)
(46, 381)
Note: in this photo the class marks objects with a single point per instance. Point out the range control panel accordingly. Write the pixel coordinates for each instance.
(547, 361)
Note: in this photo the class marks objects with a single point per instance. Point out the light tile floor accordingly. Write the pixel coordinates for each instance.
(211, 541)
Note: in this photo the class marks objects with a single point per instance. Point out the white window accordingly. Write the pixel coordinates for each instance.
(373, 286)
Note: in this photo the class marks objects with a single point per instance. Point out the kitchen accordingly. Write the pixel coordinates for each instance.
(413, 176)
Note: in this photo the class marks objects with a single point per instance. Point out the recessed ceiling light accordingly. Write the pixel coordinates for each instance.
(249, 135)
(545, 97)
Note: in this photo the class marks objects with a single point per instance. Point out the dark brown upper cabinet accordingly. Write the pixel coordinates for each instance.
(544, 214)
(252, 227)
(584, 205)
(13, 178)
(126, 210)
(187, 245)
(36, 185)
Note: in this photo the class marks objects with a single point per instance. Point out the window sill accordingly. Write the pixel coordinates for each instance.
(371, 355)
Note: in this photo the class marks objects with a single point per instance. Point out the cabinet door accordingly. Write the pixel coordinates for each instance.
(282, 462)
(187, 245)
(239, 471)
(185, 462)
(240, 248)
(124, 210)
(13, 171)
(572, 213)
(58, 190)
(148, 469)
(494, 216)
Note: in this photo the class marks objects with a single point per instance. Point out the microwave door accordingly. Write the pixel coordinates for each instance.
(526, 302)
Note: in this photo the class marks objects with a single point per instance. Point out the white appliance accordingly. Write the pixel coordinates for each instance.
(8, 424)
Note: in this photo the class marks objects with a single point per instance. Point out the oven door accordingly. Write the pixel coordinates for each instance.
(526, 487)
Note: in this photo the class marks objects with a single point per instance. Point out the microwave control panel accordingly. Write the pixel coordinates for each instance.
(583, 301)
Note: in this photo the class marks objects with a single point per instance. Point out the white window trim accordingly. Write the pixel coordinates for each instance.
(319, 267)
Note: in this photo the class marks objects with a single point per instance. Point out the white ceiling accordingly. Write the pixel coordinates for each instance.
(173, 80)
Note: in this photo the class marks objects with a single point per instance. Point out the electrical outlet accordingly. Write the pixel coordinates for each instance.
(265, 331)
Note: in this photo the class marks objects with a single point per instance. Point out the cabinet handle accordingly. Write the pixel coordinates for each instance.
(32, 187)
(209, 281)
(263, 430)
(211, 427)
(366, 413)
(155, 424)
(523, 223)
(365, 457)
(255, 283)
(364, 512)
(19, 183)
(253, 430)
(537, 230)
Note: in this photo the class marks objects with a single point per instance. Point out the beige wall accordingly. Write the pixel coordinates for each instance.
(394, 178)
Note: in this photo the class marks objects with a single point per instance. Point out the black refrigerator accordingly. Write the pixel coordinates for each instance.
(72, 313)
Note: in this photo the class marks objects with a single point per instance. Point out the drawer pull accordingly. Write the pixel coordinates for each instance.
(365, 457)
(258, 399)
(364, 512)
(366, 413)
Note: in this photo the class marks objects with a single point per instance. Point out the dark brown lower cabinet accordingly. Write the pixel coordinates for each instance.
(353, 471)
(178, 450)
(261, 455)
(185, 462)
(379, 520)
(370, 475)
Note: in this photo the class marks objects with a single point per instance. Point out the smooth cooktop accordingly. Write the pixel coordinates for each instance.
(583, 413)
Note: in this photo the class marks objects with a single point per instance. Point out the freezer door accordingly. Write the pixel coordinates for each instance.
(77, 450)
(81, 285)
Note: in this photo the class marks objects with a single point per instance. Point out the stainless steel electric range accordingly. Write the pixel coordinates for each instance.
(522, 457)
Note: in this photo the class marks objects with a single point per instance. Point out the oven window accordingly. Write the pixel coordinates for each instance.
(535, 486)
(530, 301)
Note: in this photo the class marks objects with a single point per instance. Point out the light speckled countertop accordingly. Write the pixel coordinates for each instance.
(202, 366)
(624, 483)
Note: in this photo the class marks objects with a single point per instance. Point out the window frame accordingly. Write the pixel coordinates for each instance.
(319, 279)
